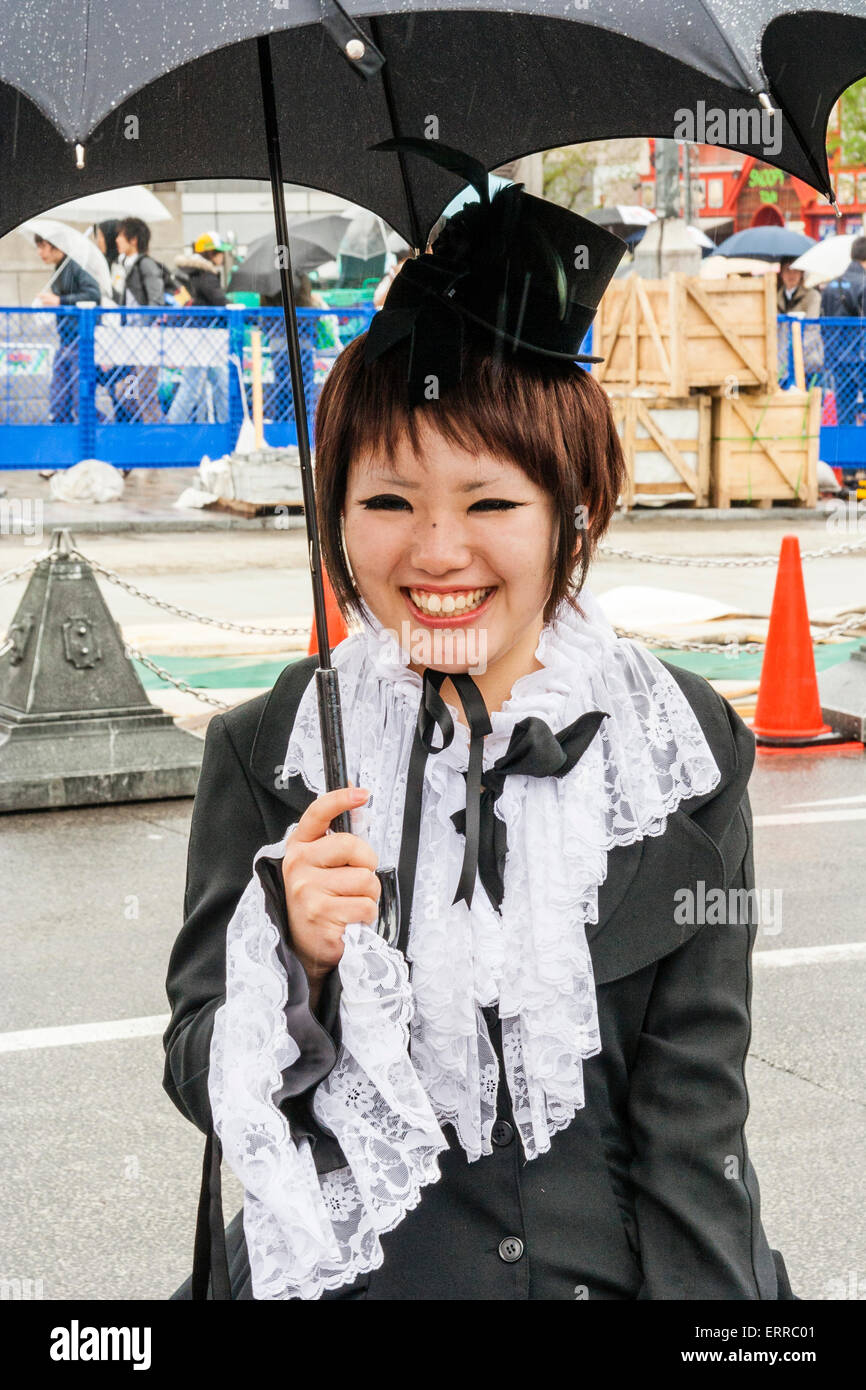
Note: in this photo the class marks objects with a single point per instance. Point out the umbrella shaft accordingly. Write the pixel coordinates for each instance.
(275, 162)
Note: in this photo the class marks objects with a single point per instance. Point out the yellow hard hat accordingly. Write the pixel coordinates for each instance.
(209, 241)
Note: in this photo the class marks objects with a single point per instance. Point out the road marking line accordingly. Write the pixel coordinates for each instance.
(117, 1030)
(811, 955)
(830, 801)
(71, 1033)
(810, 817)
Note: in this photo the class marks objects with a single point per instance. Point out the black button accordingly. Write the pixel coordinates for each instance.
(503, 1133)
(510, 1249)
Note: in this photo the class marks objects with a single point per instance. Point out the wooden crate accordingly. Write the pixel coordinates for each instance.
(684, 333)
(766, 448)
(666, 443)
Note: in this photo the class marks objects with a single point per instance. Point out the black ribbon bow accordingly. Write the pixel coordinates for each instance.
(533, 750)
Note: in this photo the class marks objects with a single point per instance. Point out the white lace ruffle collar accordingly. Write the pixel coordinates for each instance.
(384, 1104)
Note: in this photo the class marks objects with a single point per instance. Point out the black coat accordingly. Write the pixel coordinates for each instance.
(649, 1193)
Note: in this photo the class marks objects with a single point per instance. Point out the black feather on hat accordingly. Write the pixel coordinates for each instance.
(513, 271)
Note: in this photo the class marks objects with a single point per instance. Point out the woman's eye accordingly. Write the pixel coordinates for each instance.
(387, 502)
(494, 504)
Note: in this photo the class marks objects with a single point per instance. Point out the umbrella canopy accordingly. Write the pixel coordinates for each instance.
(826, 259)
(765, 244)
(73, 244)
(141, 114)
(135, 201)
(365, 237)
(326, 230)
(259, 270)
(698, 237)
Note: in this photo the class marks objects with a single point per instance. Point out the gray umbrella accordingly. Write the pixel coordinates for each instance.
(259, 270)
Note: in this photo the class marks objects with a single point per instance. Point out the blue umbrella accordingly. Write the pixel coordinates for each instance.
(765, 244)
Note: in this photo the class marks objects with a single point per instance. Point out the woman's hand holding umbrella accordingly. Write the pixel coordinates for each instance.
(330, 881)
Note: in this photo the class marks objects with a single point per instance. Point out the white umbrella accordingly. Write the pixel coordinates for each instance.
(365, 236)
(826, 260)
(134, 201)
(698, 237)
(73, 244)
(633, 214)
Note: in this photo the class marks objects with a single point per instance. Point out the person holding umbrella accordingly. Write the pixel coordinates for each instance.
(536, 1091)
(70, 284)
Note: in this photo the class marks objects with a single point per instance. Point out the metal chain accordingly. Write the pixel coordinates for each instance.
(9, 575)
(726, 562)
(172, 680)
(827, 635)
(114, 578)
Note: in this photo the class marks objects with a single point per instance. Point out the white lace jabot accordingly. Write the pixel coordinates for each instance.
(384, 1103)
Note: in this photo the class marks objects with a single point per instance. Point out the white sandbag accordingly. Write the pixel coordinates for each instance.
(91, 480)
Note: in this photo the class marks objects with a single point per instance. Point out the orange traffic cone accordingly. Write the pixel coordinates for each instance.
(788, 712)
(337, 629)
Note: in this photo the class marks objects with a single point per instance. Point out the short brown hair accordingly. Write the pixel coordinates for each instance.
(551, 418)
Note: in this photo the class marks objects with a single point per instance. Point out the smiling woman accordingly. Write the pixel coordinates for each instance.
(537, 1091)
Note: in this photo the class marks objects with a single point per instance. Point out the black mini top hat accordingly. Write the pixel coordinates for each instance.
(516, 272)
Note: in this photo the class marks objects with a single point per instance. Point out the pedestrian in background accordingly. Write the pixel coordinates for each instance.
(793, 297)
(845, 297)
(70, 284)
(105, 236)
(137, 393)
(198, 272)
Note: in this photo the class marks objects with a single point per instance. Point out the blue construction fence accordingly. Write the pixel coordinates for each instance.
(834, 358)
(161, 387)
(153, 386)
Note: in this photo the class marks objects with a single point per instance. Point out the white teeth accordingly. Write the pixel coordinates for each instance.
(448, 603)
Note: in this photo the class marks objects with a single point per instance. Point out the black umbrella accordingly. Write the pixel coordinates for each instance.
(503, 84)
(122, 84)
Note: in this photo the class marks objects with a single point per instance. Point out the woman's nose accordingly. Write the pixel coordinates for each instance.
(440, 546)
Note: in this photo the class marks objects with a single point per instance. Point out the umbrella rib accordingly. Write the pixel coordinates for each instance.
(384, 73)
(735, 54)
(81, 104)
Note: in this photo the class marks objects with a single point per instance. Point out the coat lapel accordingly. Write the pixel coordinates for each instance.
(704, 841)
(268, 751)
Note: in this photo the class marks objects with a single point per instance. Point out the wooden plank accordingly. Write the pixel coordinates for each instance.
(606, 349)
(797, 347)
(677, 323)
(650, 318)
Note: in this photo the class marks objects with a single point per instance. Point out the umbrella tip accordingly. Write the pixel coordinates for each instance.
(79, 156)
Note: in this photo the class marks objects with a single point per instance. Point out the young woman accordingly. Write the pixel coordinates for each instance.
(538, 1092)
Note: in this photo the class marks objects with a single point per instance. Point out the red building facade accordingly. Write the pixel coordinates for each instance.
(742, 190)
